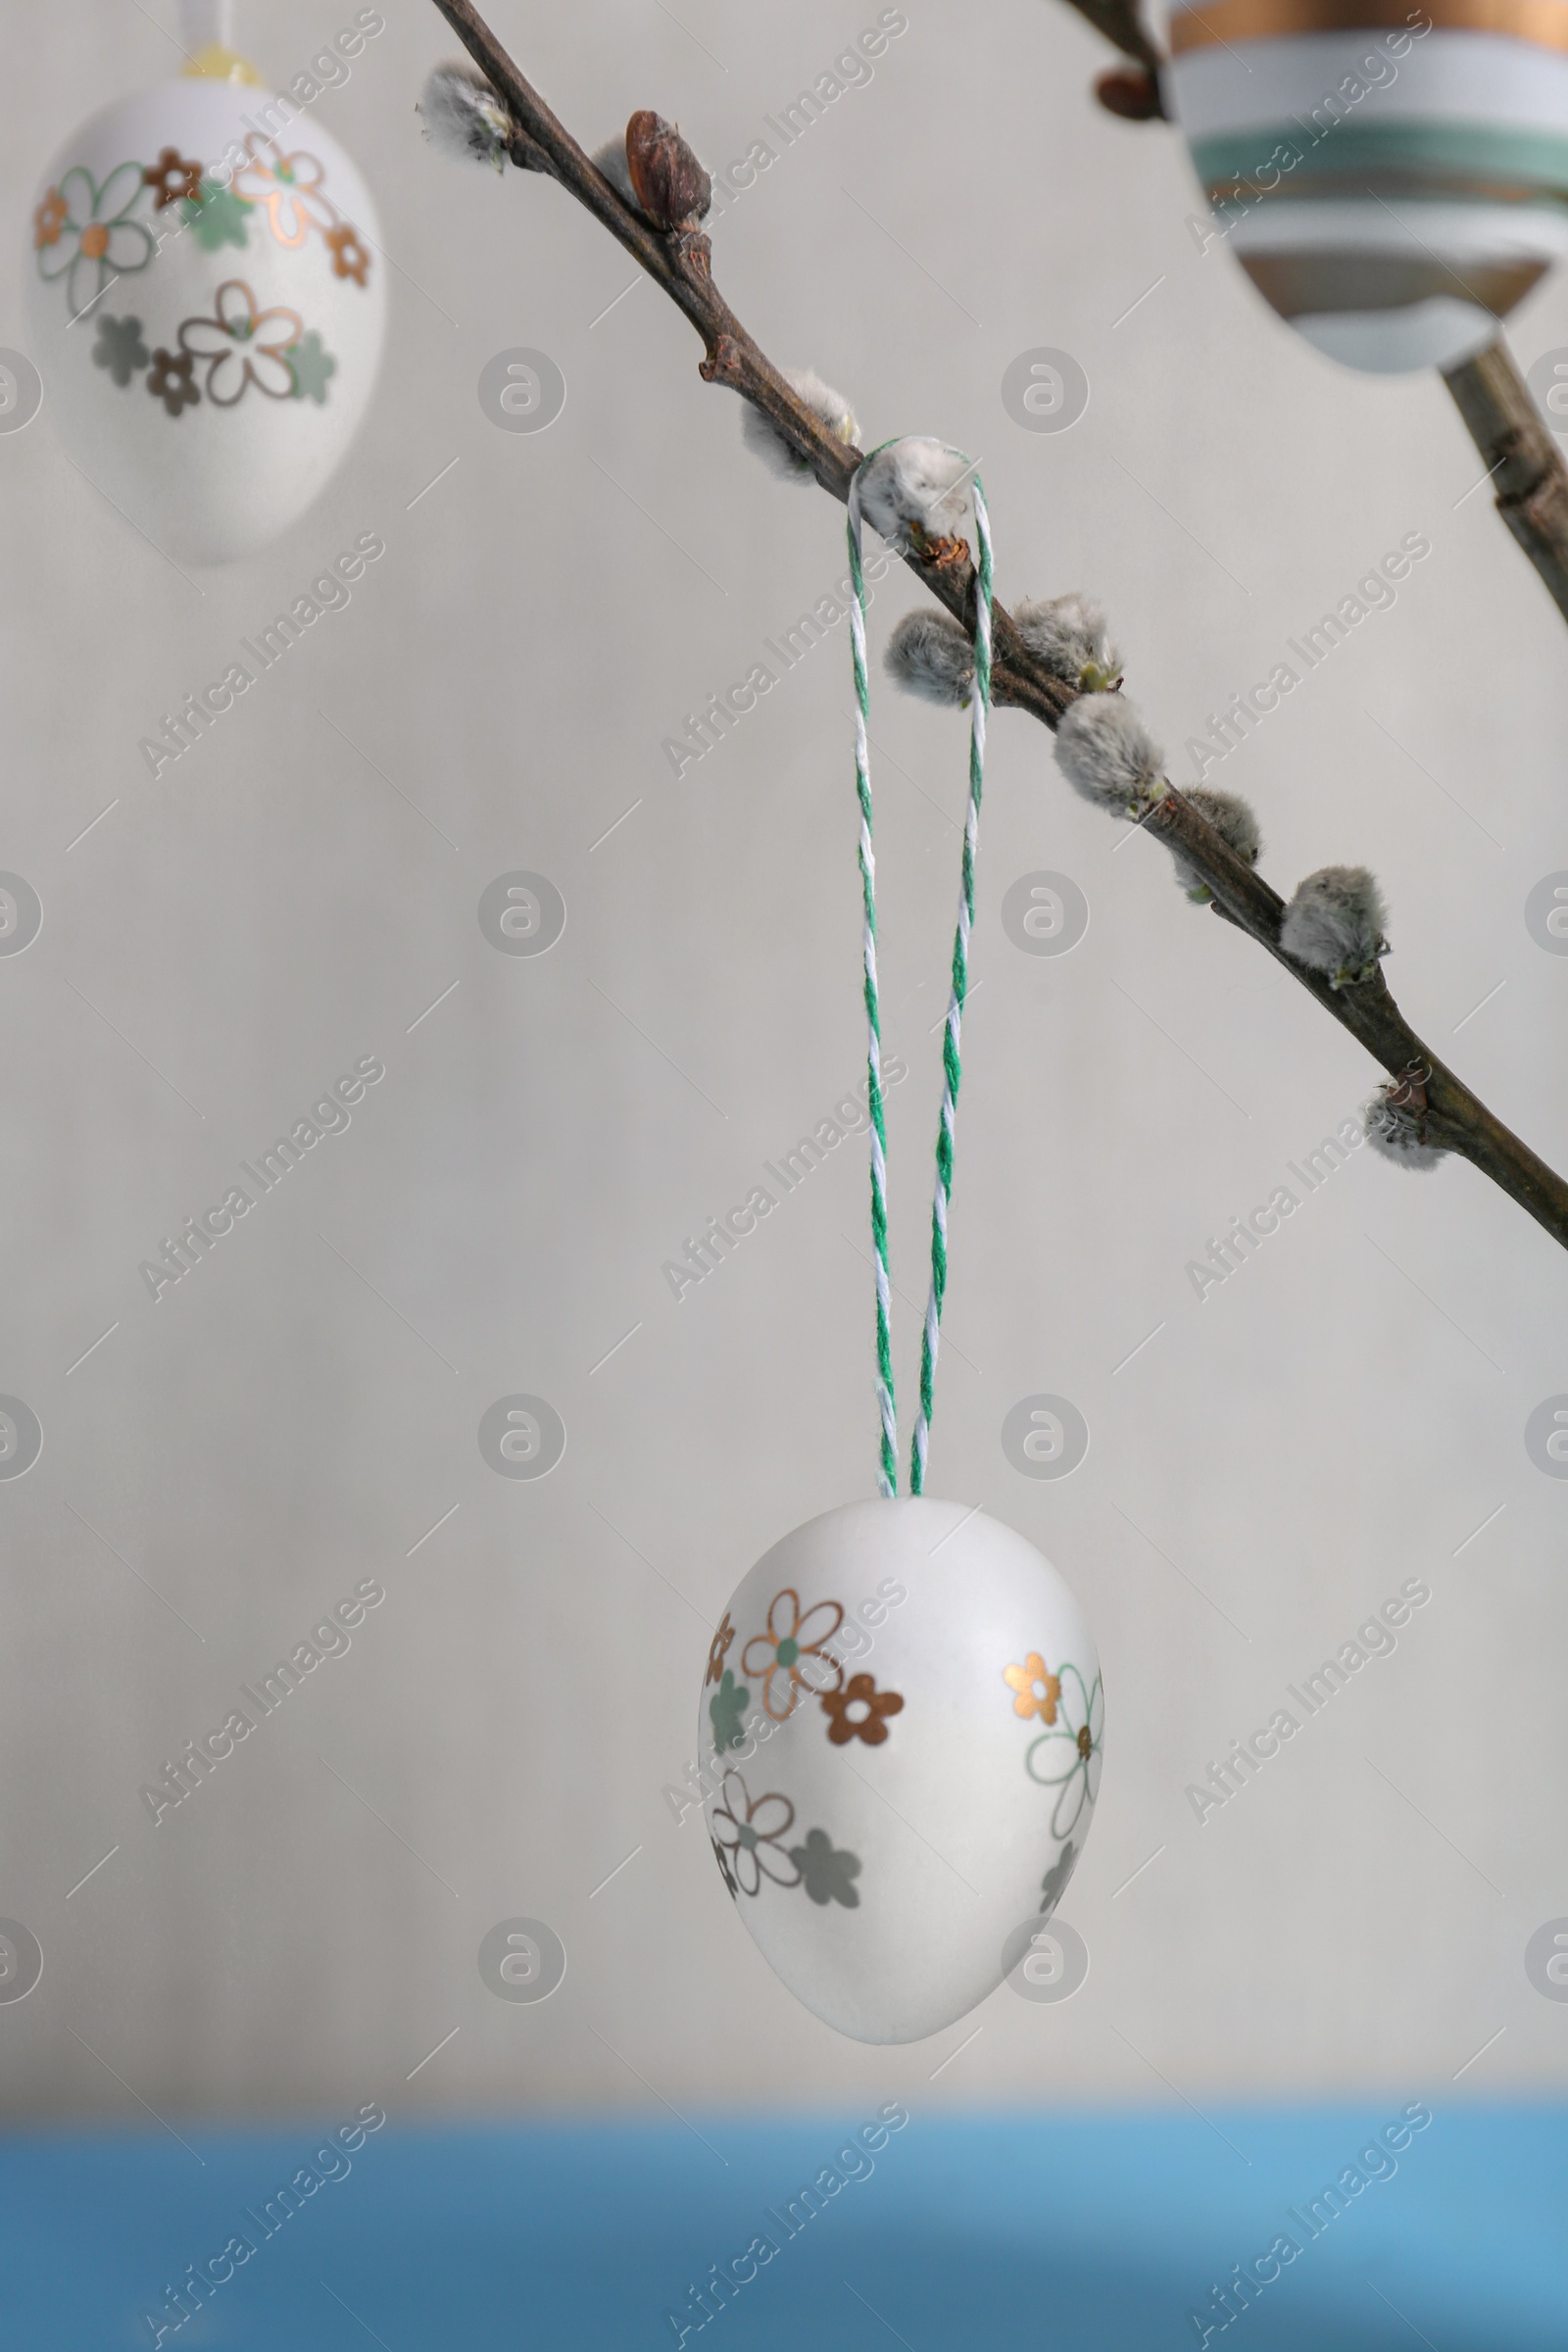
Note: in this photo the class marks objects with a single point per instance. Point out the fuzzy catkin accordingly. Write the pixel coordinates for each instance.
(1068, 636)
(464, 119)
(914, 486)
(1109, 756)
(830, 409)
(1334, 924)
(1234, 821)
(1394, 1135)
(929, 655)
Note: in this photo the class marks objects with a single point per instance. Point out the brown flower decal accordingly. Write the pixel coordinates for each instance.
(719, 1649)
(787, 1641)
(49, 219)
(859, 1711)
(1036, 1690)
(746, 1836)
(242, 346)
(171, 178)
(170, 380)
(350, 258)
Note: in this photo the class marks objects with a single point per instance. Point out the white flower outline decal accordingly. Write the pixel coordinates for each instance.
(233, 344)
(90, 242)
(1076, 1741)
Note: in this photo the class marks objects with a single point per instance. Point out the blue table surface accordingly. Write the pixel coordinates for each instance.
(1092, 2232)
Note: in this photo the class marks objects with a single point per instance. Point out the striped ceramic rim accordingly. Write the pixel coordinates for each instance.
(1479, 160)
(1224, 21)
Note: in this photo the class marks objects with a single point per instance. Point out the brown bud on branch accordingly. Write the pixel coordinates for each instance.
(673, 188)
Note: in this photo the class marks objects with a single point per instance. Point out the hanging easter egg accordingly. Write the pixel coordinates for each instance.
(1391, 177)
(206, 299)
(901, 1726)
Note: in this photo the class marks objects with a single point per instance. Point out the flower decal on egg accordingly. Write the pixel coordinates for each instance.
(1067, 1759)
(859, 1711)
(82, 232)
(241, 346)
(722, 1859)
(828, 1876)
(726, 1711)
(748, 1833)
(350, 255)
(778, 1655)
(308, 366)
(1054, 1886)
(172, 179)
(216, 216)
(172, 380)
(48, 219)
(1036, 1691)
(287, 188)
(119, 348)
(290, 190)
(718, 1649)
(311, 366)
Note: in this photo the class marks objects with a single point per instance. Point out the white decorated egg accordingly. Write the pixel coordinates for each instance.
(901, 1727)
(206, 299)
(1392, 174)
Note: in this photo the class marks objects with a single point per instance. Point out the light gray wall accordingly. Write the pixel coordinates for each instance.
(1265, 1473)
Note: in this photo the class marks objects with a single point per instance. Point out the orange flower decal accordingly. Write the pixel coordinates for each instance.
(287, 187)
(170, 178)
(719, 1649)
(49, 219)
(1037, 1692)
(859, 1711)
(349, 256)
(788, 1642)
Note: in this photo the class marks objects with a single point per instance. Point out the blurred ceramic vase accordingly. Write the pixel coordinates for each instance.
(900, 1733)
(1393, 177)
(207, 300)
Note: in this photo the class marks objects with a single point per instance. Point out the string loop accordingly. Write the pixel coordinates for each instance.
(952, 1037)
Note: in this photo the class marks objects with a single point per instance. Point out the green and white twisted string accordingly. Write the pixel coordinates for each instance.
(952, 1063)
(888, 1473)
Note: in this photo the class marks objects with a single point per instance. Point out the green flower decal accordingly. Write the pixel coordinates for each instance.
(121, 349)
(829, 1877)
(1054, 1882)
(217, 217)
(309, 365)
(1067, 1758)
(727, 1709)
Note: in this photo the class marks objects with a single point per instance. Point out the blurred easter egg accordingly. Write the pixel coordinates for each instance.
(900, 1734)
(1392, 177)
(207, 301)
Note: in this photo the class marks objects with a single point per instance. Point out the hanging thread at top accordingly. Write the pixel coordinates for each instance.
(951, 1036)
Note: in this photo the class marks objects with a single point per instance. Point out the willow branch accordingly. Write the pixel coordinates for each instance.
(1521, 455)
(1452, 1117)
